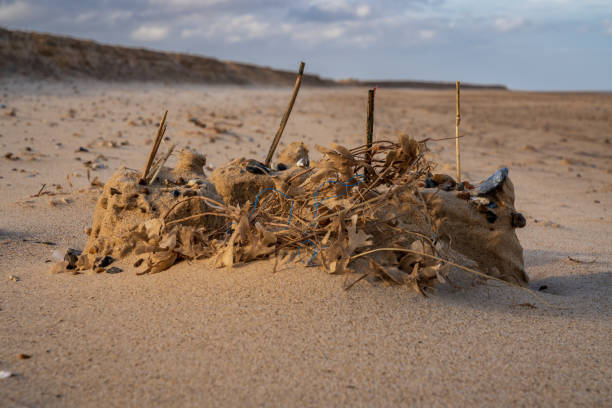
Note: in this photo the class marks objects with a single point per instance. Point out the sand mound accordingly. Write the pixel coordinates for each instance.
(128, 217)
(374, 214)
(481, 229)
(295, 153)
(189, 164)
(237, 185)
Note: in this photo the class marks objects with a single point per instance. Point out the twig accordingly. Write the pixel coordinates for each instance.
(158, 137)
(279, 133)
(33, 241)
(40, 191)
(370, 126)
(215, 204)
(469, 270)
(161, 163)
(196, 216)
(429, 139)
(347, 287)
(569, 258)
(457, 121)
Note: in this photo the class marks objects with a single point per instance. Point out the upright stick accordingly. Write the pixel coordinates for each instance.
(370, 125)
(457, 121)
(279, 133)
(158, 137)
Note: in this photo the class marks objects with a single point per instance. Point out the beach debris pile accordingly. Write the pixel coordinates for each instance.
(373, 213)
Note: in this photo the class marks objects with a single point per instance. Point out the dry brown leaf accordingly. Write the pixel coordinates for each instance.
(391, 273)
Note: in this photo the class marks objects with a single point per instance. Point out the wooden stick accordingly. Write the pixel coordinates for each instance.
(457, 121)
(161, 163)
(279, 133)
(370, 126)
(158, 137)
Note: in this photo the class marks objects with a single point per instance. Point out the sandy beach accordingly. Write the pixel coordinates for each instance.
(198, 336)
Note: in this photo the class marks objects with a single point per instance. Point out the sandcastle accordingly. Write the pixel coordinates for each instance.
(388, 220)
(373, 212)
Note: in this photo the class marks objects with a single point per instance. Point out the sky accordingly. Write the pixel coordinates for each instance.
(524, 44)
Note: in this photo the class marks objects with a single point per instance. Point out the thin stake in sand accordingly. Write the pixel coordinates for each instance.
(370, 125)
(158, 137)
(279, 133)
(457, 121)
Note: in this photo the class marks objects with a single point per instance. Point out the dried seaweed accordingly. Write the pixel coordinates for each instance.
(349, 202)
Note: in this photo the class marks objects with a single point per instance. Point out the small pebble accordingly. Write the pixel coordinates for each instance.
(176, 193)
(467, 185)
(444, 182)
(518, 220)
(11, 156)
(429, 182)
(465, 195)
(22, 356)
(543, 287)
(113, 270)
(5, 374)
(104, 261)
(72, 256)
(491, 216)
(194, 182)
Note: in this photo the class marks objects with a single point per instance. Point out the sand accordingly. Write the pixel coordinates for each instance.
(199, 336)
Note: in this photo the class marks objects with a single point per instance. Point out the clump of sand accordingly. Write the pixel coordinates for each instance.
(481, 229)
(129, 216)
(375, 213)
(238, 186)
(294, 153)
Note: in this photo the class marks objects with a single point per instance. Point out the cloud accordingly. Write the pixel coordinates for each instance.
(332, 33)
(607, 26)
(505, 24)
(363, 10)
(150, 33)
(330, 11)
(17, 11)
(427, 34)
(232, 29)
(186, 3)
(108, 17)
(317, 35)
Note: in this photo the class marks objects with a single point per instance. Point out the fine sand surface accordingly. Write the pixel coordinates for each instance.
(198, 336)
